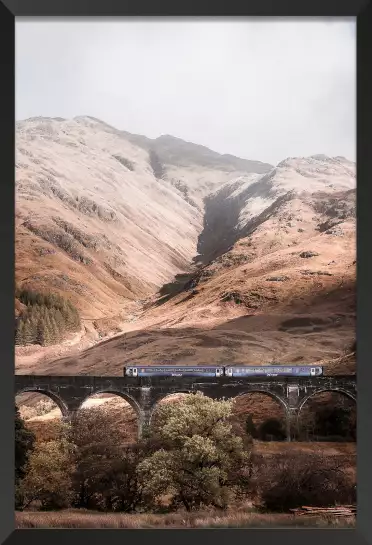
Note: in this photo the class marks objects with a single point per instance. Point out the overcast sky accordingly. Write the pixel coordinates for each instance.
(259, 89)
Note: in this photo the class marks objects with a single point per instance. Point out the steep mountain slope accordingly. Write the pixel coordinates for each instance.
(239, 207)
(195, 170)
(94, 221)
(274, 279)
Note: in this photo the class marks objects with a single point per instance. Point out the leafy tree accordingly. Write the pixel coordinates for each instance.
(48, 477)
(24, 444)
(118, 487)
(101, 458)
(201, 462)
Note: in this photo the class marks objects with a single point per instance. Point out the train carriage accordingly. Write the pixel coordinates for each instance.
(173, 371)
(274, 371)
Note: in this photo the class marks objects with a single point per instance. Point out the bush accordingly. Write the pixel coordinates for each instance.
(125, 162)
(303, 479)
(326, 423)
(335, 421)
(271, 430)
(250, 428)
(156, 165)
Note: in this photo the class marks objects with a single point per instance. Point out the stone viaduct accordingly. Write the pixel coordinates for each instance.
(143, 394)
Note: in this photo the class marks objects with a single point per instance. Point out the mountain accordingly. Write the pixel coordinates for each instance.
(267, 273)
(104, 217)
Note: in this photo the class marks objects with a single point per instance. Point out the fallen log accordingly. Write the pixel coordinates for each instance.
(337, 511)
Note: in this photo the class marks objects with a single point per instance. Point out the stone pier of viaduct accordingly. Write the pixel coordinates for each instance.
(143, 394)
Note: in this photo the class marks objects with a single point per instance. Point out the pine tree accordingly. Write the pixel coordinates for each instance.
(20, 334)
(67, 312)
(54, 332)
(47, 332)
(28, 332)
(59, 319)
(33, 329)
(47, 319)
(40, 338)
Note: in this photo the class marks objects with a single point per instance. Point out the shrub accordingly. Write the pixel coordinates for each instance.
(271, 429)
(250, 428)
(156, 165)
(125, 162)
(304, 479)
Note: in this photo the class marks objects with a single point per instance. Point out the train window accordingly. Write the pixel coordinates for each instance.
(312, 371)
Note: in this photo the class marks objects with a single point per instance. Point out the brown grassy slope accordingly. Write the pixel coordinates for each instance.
(240, 313)
(266, 297)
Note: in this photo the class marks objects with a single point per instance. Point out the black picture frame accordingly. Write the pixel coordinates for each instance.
(9, 9)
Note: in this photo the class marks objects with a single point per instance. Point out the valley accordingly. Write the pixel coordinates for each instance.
(175, 254)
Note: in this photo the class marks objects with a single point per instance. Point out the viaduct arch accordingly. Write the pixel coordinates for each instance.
(143, 394)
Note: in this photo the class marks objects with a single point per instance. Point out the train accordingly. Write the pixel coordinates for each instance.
(231, 371)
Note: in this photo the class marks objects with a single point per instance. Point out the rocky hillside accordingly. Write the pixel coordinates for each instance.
(105, 217)
(273, 280)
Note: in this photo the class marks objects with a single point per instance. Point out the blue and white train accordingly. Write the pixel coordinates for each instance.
(232, 371)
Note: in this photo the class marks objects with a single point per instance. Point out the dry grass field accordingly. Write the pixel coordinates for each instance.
(241, 518)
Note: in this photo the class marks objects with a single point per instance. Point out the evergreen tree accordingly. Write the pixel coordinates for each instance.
(59, 321)
(40, 338)
(54, 332)
(47, 319)
(33, 329)
(20, 333)
(28, 332)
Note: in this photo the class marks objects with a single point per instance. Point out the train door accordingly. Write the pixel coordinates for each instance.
(135, 372)
(229, 372)
(312, 371)
(218, 372)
